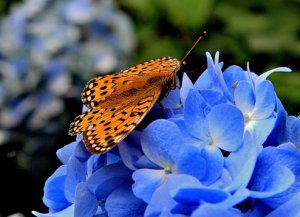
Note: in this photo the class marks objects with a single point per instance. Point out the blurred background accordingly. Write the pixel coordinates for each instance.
(50, 48)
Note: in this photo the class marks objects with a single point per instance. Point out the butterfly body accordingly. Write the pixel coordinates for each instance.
(117, 103)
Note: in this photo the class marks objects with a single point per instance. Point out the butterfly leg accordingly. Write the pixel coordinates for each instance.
(174, 84)
(161, 105)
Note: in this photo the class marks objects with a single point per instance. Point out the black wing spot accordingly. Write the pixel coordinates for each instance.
(136, 114)
(107, 123)
(95, 103)
(122, 132)
(111, 142)
(108, 138)
(125, 82)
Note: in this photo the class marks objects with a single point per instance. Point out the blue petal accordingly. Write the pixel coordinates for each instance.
(207, 210)
(288, 209)
(146, 182)
(95, 162)
(209, 78)
(69, 211)
(189, 191)
(223, 86)
(214, 164)
(86, 203)
(129, 154)
(144, 162)
(185, 88)
(122, 202)
(293, 127)
(280, 178)
(265, 75)
(288, 147)
(266, 175)
(265, 101)
(166, 213)
(161, 199)
(196, 167)
(76, 173)
(194, 114)
(226, 130)
(212, 97)
(203, 82)
(107, 178)
(81, 153)
(161, 142)
(279, 132)
(186, 135)
(241, 164)
(244, 97)
(223, 181)
(54, 197)
(239, 196)
(173, 99)
(66, 152)
(260, 129)
(232, 75)
(111, 158)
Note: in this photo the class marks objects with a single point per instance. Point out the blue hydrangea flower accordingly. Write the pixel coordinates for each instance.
(213, 152)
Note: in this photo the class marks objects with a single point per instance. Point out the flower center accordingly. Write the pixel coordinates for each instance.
(168, 170)
(207, 142)
(247, 118)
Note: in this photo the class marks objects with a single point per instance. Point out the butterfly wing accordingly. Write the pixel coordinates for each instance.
(98, 89)
(85, 119)
(100, 102)
(113, 127)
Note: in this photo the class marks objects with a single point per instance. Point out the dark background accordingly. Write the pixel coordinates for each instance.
(265, 33)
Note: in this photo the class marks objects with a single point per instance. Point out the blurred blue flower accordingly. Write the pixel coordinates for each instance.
(48, 50)
(212, 152)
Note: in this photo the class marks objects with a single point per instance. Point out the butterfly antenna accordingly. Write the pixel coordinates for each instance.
(182, 62)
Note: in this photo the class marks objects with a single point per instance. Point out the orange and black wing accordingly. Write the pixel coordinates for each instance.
(110, 129)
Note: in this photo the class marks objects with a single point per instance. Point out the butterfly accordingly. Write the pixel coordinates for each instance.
(117, 103)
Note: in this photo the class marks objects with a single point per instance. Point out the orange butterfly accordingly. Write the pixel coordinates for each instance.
(118, 103)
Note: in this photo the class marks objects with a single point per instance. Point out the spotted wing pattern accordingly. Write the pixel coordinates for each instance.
(85, 119)
(113, 127)
(99, 88)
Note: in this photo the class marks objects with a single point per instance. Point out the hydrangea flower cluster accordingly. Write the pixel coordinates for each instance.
(224, 146)
(48, 50)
